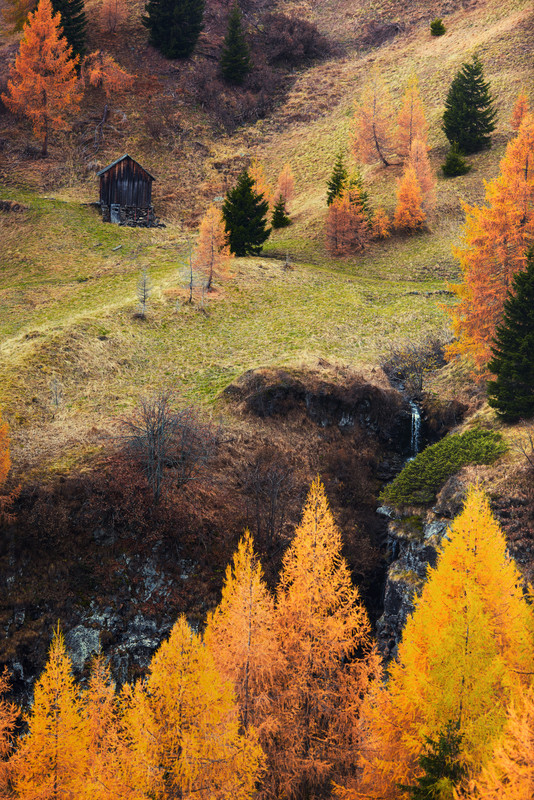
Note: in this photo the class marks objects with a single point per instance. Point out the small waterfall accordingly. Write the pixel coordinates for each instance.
(415, 441)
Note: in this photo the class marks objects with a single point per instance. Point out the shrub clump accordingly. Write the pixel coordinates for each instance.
(455, 164)
(291, 40)
(437, 28)
(421, 478)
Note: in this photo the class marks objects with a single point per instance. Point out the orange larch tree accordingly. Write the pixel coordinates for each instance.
(5, 458)
(381, 224)
(261, 185)
(510, 773)
(285, 186)
(102, 71)
(195, 721)
(43, 85)
(50, 759)
(373, 136)
(496, 238)
(521, 108)
(409, 213)
(212, 252)
(419, 160)
(347, 227)
(112, 14)
(466, 653)
(241, 637)
(411, 121)
(325, 639)
(8, 717)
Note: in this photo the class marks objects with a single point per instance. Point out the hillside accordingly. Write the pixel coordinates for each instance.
(75, 357)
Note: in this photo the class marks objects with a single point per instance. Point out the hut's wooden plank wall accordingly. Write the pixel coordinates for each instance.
(126, 183)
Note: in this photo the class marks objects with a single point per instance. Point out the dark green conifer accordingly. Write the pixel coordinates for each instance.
(512, 391)
(442, 768)
(455, 164)
(280, 218)
(437, 28)
(235, 57)
(337, 182)
(245, 217)
(174, 25)
(73, 23)
(469, 116)
(355, 184)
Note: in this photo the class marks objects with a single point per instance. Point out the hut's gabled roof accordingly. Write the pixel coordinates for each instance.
(118, 160)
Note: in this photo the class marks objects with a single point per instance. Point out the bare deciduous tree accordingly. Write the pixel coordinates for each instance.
(408, 362)
(144, 291)
(173, 447)
(268, 481)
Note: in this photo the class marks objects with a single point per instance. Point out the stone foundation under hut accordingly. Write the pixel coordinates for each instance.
(131, 216)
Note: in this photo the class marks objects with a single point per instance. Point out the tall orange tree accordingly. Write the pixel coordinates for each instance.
(197, 747)
(43, 85)
(409, 213)
(5, 458)
(212, 253)
(373, 134)
(285, 186)
(509, 775)
(328, 660)
(240, 634)
(50, 759)
(8, 718)
(521, 108)
(496, 238)
(419, 160)
(411, 120)
(347, 226)
(466, 653)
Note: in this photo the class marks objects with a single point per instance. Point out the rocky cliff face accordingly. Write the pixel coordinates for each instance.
(413, 542)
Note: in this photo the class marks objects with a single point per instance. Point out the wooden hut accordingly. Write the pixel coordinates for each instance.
(126, 193)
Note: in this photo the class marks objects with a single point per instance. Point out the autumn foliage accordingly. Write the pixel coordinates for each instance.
(212, 253)
(521, 108)
(43, 85)
(419, 160)
(497, 236)
(347, 227)
(102, 71)
(466, 653)
(411, 121)
(5, 458)
(373, 133)
(409, 213)
(285, 186)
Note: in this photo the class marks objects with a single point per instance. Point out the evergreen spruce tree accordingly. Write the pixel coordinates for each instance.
(337, 182)
(469, 116)
(280, 218)
(73, 23)
(174, 25)
(442, 767)
(245, 212)
(357, 189)
(235, 57)
(455, 164)
(512, 391)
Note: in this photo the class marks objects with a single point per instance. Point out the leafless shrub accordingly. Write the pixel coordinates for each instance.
(173, 447)
(268, 484)
(526, 448)
(408, 362)
(144, 291)
(291, 40)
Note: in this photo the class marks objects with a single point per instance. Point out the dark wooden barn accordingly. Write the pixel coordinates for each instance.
(126, 193)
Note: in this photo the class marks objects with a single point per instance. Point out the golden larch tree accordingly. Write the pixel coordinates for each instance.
(409, 214)
(100, 778)
(261, 184)
(347, 227)
(419, 160)
(325, 639)
(8, 718)
(43, 85)
(5, 457)
(240, 635)
(199, 748)
(285, 186)
(510, 773)
(50, 759)
(411, 121)
(521, 108)
(212, 253)
(373, 135)
(102, 71)
(465, 654)
(496, 239)
(381, 228)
